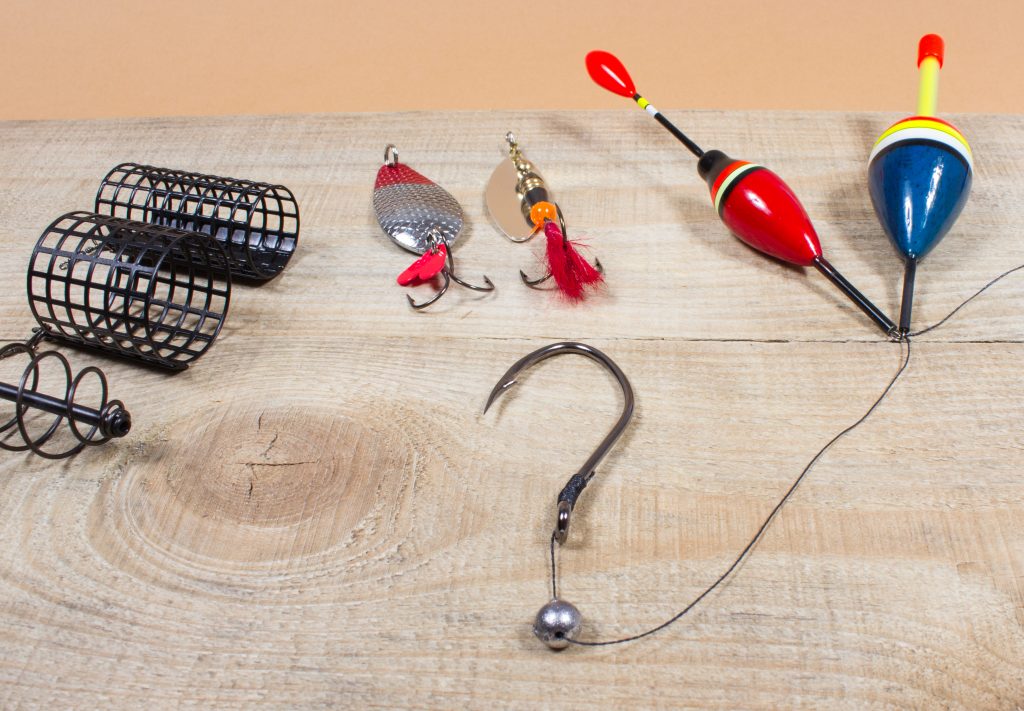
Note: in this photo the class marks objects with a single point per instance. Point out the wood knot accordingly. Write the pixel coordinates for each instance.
(238, 487)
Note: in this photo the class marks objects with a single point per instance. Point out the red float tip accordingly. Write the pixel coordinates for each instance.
(930, 46)
(607, 72)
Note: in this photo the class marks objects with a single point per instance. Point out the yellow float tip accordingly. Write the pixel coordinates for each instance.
(930, 53)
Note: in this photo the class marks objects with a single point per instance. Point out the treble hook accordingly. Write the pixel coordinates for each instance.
(450, 269)
(440, 292)
(574, 487)
(447, 274)
(534, 283)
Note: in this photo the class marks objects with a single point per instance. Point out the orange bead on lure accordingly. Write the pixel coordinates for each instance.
(542, 211)
(753, 202)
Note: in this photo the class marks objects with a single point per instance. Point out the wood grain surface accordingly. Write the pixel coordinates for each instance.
(318, 514)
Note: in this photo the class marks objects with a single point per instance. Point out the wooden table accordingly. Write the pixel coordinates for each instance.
(318, 514)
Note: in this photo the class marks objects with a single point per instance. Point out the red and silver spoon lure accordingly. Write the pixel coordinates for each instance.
(751, 200)
(423, 218)
(521, 206)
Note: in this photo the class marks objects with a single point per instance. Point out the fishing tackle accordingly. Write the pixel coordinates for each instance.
(919, 175)
(107, 420)
(559, 622)
(256, 223)
(145, 292)
(147, 276)
(521, 206)
(149, 293)
(752, 201)
(423, 218)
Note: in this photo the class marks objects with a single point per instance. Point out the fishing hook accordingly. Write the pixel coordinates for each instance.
(447, 274)
(451, 272)
(440, 292)
(574, 487)
(534, 283)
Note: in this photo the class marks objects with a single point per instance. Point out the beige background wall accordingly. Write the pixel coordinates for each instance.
(69, 58)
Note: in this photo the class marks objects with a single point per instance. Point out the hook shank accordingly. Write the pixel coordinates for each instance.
(574, 487)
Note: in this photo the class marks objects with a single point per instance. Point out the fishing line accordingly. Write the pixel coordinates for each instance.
(760, 531)
(748, 548)
(968, 300)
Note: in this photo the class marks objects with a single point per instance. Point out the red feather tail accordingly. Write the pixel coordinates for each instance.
(572, 273)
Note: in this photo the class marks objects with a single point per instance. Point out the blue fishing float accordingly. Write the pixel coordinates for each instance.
(919, 176)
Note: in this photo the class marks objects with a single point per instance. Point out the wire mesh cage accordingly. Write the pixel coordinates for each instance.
(140, 290)
(257, 223)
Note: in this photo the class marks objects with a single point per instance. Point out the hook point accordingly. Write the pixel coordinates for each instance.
(498, 389)
(533, 283)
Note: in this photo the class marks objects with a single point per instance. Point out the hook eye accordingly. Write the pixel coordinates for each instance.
(562, 524)
(435, 238)
(390, 154)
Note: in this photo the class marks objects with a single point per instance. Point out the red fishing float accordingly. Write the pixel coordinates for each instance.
(753, 202)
